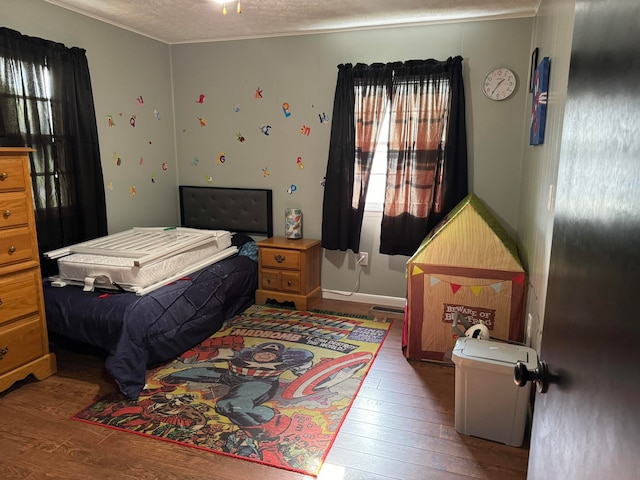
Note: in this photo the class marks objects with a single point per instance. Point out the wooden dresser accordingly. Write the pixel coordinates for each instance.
(289, 271)
(24, 344)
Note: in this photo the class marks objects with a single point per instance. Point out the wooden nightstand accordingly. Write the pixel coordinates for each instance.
(289, 271)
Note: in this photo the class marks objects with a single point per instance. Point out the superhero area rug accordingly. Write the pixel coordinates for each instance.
(273, 387)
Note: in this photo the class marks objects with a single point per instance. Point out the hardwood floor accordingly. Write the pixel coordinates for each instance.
(401, 426)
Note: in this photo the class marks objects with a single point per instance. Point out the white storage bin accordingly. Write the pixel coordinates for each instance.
(488, 404)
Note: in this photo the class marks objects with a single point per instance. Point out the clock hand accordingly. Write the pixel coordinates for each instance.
(498, 84)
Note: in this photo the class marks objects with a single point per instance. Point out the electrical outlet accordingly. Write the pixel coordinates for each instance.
(363, 258)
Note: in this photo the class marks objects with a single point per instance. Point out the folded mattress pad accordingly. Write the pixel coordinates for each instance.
(141, 259)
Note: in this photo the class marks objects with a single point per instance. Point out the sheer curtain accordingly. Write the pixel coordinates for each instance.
(427, 153)
(46, 102)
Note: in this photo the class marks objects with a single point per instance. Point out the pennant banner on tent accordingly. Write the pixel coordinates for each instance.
(475, 289)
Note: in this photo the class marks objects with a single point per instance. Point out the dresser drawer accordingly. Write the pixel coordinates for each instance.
(280, 258)
(13, 209)
(19, 295)
(17, 246)
(20, 343)
(11, 174)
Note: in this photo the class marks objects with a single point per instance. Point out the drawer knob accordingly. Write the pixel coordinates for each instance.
(7, 213)
(4, 176)
(3, 352)
(279, 258)
(12, 249)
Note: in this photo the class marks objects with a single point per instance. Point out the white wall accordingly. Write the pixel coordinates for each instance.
(552, 34)
(302, 71)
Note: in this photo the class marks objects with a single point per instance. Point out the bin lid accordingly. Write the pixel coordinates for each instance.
(495, 352)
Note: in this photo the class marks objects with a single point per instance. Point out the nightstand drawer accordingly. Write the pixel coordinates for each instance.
(12, 174)
(290, 282)
(280, 258)
(20, 344)
(277, 280)
(270, 280)
(19, 295)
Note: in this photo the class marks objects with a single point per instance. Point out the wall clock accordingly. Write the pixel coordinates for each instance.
(499, 84)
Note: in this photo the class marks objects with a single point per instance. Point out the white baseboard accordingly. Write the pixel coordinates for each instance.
(364, 298)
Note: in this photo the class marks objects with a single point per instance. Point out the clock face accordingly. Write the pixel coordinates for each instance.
(499, 84)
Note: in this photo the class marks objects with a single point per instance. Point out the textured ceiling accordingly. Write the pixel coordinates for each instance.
(189, 21)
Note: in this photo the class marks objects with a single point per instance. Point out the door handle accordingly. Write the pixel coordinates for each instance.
(539, 376)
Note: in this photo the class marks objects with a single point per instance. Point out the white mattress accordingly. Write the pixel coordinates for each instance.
(167, 257)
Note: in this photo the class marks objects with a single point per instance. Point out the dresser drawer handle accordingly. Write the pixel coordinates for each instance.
(288, 283)
(3, 352)
(7, 213)
(12, 249)
(4, 176)
(279, 258)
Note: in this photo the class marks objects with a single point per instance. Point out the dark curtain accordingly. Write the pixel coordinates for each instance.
(46, 102)
(427, 157)
(357, 114)
(338, 188)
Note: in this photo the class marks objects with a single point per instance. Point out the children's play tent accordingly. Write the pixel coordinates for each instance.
(467, 264)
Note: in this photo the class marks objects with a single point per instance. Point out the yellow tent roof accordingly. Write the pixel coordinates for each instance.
(469, 237)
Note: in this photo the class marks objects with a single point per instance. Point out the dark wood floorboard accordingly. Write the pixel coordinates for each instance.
(401, 426)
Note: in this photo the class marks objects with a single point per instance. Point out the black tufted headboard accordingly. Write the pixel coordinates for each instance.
(242, 210)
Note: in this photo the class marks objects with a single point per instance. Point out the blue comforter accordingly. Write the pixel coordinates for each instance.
(140, 331)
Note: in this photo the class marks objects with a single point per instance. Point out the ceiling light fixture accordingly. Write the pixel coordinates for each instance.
(224, 6)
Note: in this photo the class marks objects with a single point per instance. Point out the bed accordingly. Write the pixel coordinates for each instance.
(140, 328)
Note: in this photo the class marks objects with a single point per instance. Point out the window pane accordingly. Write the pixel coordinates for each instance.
(378, 179)
(29, 85)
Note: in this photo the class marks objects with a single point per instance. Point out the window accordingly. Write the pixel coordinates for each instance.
(420, 152)
(379, 172)
(46, 103)
(34, 103)
(378, 180)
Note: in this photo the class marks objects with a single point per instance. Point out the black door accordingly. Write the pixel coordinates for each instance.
(587, 426)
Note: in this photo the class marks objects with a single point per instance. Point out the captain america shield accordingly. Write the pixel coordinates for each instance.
(326, 374)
